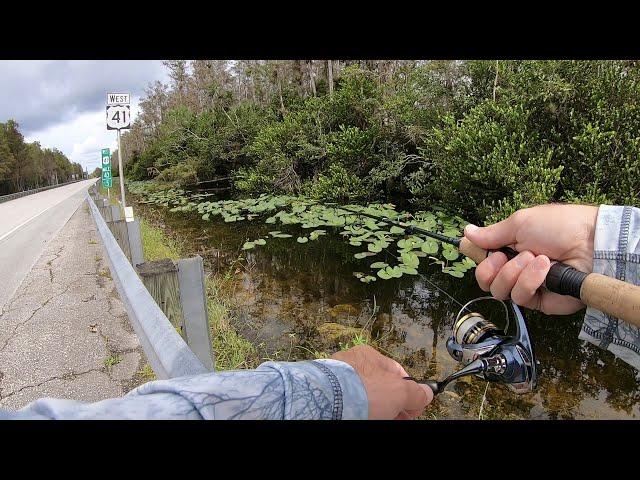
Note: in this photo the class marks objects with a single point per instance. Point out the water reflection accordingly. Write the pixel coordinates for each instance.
(286, 291)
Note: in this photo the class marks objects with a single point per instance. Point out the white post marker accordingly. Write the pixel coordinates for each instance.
(119, 118)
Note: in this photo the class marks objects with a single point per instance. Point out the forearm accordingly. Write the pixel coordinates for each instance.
(321, 389)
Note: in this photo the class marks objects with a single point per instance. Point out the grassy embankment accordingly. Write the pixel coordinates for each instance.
(231, 350)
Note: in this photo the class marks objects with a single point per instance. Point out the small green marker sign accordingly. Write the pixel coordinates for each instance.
(107, 181)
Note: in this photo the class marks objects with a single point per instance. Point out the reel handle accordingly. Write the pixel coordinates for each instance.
(609, 295)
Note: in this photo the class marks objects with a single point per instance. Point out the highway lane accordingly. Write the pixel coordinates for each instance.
(27, 224)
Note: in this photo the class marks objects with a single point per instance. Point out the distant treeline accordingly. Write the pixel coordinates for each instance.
(482, 138)
(24, 166)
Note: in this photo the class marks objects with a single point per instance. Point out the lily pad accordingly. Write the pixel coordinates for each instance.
(379, 265)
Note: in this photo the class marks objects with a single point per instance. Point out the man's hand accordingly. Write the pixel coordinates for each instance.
(390, 396)
(562, 232)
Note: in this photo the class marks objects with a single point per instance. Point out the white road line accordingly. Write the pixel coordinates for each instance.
(35, 216)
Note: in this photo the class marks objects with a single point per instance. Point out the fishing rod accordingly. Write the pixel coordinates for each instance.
(606, 294)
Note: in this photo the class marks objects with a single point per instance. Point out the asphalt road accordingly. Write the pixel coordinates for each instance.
(27, 224)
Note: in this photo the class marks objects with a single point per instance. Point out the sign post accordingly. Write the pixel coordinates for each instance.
(118, 118)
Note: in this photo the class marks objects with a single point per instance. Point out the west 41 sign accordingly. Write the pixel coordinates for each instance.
(118, 117)
(107, 181)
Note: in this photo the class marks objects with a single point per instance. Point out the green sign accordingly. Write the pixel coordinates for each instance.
(107, 181)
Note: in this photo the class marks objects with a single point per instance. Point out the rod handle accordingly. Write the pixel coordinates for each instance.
(606, 294)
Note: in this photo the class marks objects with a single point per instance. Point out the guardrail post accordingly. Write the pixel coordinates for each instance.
(115, 212)
(161, 279)
(193, 300)
(121, 233)
(135, 242)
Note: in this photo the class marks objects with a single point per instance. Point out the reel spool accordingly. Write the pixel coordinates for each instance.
(492, 353)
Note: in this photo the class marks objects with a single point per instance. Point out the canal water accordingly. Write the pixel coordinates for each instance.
(296, 301)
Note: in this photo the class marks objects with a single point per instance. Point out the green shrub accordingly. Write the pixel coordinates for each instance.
(337, 184)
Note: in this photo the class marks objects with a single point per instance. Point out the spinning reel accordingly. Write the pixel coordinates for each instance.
(490, 353)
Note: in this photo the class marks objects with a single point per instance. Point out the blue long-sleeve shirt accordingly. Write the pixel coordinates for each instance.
(319, 389)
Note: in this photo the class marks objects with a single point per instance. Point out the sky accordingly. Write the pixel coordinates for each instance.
(61, 103)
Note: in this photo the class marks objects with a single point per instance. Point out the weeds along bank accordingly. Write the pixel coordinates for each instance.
(482, 138)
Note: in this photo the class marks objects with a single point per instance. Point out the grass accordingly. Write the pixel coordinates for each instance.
(156, 244)
(112, 360)
(231, 350)
(104, 273)
(147, 373)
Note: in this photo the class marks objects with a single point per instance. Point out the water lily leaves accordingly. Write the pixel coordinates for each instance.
(407, 269)
(368, 279)
(375, 247)
(449, 253)
(453, 272)
(358, 230)
(299, 208)
(316, 233)
(451, 232)
(430, 246)
(383, 274)
(379, 265)
(409, 243)
(468, 262)
(390, 272)
(410, 259)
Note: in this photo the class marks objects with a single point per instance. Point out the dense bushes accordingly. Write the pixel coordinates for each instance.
(483, 138)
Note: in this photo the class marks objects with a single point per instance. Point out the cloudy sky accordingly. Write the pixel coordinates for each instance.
(62, 103)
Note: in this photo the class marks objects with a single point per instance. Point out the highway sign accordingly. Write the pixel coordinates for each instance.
(106, 168)
(118, 117)
(107, 182)
(118, 99)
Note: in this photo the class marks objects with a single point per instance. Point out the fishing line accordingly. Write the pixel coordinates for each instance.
(464, 307)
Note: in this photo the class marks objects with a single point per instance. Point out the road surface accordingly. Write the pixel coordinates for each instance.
(65, 332)
(27, 224)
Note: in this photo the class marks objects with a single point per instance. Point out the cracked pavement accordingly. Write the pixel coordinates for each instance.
(65, 332)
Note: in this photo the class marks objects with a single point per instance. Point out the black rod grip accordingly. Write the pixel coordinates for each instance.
(565, 280)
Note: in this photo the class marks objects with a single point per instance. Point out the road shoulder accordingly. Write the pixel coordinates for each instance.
(65, 333)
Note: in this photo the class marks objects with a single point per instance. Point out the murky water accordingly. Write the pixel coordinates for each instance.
(290, 298)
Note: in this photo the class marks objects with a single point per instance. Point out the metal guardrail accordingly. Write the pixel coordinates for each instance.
(166, 351)
(13, 196)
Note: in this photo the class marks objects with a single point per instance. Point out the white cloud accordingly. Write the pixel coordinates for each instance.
(61, 103)
(82, 138)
